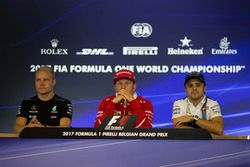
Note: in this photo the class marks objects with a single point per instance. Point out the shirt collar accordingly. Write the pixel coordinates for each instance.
(202, 101)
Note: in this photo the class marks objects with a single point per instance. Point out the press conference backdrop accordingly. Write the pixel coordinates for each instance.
(86, 41)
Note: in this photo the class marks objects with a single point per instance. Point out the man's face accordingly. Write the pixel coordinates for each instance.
(126, 84)
(44, 82)
(195, 89)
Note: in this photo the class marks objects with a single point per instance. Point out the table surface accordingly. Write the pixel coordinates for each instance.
(122, 152)
(15, 135)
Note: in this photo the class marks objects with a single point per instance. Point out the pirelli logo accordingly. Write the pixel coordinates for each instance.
(140, 50)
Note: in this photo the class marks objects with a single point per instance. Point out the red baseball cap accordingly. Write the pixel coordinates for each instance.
(124, 74)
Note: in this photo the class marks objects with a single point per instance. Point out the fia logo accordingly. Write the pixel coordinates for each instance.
(141, 30)
(224, 43)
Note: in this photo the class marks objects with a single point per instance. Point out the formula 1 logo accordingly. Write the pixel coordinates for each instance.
(118, 120)
(141, 30)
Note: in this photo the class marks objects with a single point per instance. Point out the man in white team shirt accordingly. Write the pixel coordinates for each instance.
(197, 110)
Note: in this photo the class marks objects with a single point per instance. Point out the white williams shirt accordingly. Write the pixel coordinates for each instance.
(184, 107)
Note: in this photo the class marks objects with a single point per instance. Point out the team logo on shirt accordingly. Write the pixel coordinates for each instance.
(54, 110)
(33, 109)
(215, 109)
(203, 109)
(176, 111)
(69, 111)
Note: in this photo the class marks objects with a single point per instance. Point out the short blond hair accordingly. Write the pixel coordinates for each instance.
(48, 69)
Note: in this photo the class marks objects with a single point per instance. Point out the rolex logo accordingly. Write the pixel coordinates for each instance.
(54, 50)
(54, 43)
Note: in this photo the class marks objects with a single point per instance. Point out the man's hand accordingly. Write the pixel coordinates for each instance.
(34, 123)
(128, 96)
(118, 98)
(123, 94)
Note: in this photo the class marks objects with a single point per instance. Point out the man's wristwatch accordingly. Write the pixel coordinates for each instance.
(196, 118)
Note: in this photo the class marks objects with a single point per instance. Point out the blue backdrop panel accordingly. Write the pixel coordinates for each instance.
(86, 41)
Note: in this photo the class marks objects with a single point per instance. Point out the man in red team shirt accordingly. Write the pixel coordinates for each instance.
(126, 102)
